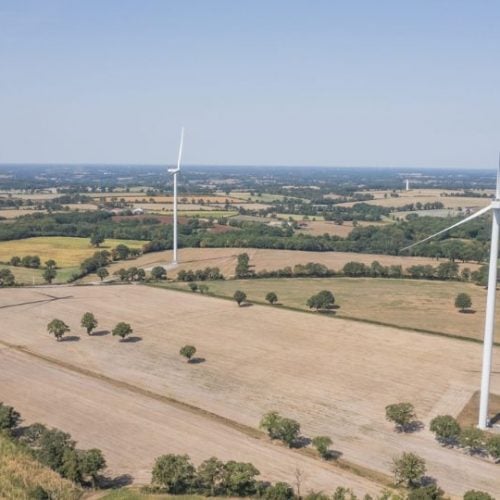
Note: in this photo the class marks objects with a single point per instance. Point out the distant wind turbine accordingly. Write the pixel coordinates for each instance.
(489, 324)
(175, 171)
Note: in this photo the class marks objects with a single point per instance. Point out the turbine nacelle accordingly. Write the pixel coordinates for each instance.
(173, 170)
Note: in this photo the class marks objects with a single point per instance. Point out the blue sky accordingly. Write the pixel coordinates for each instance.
(262, 82)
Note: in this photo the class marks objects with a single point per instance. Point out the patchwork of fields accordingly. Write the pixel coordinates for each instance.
(335, 377)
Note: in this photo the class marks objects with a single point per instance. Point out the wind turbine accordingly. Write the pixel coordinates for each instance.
(175, 171)
(489, 324)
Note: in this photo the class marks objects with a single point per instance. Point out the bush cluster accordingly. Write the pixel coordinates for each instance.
(55, 449)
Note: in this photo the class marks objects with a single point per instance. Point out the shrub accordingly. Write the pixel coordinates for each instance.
(463, 301)
(402, 414)
(473, 439)
(322, 443)
(239, 297)
(446, 429)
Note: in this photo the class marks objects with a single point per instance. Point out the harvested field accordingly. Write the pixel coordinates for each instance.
(66, 251)
(418, 304)
(423, 196)
(319, 228)
(13, 213)
(225, 259)
(335, 377)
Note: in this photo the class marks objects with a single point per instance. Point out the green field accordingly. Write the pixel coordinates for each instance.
(416, 304)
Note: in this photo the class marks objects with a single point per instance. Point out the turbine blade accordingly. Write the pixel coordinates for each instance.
(463, 221)
(180, 150)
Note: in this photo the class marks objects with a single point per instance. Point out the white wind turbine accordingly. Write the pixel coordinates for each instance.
(175, 171)
(489, 325)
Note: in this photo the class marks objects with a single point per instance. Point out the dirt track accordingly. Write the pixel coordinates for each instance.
(335, 377)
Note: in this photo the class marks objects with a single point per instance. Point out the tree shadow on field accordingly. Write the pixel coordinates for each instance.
(132, 340)
(427, 481)
(333, 454)
(414, 426)
(100, 333)
(70, 338)
(115, 482)
(301, 442)
(246, 304)
(196, 361)
(327, 312)
(468, 311)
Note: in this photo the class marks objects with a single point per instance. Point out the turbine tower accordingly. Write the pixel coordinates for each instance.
(407, 184)
(175, 171)
(489, 324)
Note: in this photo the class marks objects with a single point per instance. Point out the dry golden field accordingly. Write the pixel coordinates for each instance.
(225, 259)
(319, 227)
(423, 196)
(66, 251)
(334, 377)
(405, 303)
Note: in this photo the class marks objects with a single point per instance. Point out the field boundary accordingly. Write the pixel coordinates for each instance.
(380, 478)
(330, 316)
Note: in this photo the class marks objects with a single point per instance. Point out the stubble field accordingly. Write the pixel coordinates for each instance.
(334, 377)
(265, 259)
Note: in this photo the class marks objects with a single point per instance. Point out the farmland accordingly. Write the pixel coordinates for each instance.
(264, 259)
(66, 251)
(335, 377)
(413, 304)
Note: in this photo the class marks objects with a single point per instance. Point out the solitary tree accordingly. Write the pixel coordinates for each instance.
(51, 263)
(96, 238)
(243, 265)
(188, 351)
(49, 273)
(446, 429)
(463, 301)
(102, 272)
(402, 414)
(408, 469)
(89, 322)
(58, 328)
(7, 277)
(158, 273)
(322, 300)
(122, 329)
(322, 443)
(272, 298)
(239, 297)
(193, 286)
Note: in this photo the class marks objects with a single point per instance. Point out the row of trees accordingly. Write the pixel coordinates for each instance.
(54, 448)
(288, 430)
(475, 441)
(59, 328)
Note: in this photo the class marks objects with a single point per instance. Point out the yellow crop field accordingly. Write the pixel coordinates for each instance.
(66, 251)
